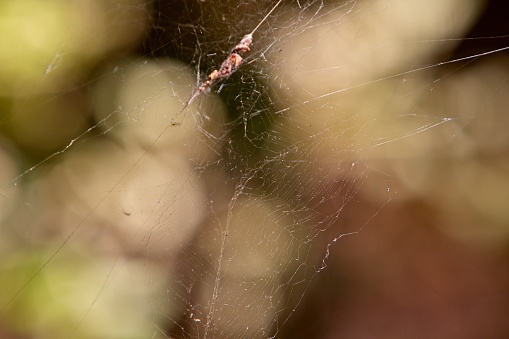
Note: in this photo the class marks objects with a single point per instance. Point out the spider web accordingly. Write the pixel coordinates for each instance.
(126, 214)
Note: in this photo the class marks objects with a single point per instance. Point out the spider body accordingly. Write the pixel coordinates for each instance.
(229, 65)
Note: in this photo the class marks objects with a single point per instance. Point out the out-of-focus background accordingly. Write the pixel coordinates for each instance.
(351, 180)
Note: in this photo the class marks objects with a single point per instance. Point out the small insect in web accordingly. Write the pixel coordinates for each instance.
(231, 63)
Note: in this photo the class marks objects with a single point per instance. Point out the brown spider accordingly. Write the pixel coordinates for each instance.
(231, 63)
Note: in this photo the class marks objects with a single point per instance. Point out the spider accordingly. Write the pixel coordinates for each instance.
(231, 63)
